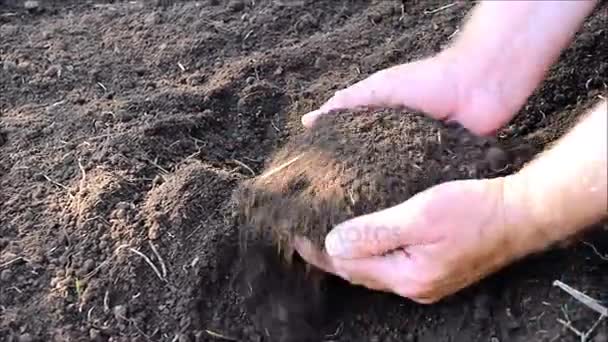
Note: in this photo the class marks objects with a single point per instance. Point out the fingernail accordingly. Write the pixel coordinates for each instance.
(309, 118)
(343, 275)
(335, 246)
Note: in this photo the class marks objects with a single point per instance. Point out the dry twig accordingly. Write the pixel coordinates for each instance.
(10, 262)
(589, 302)
(600, 255)
(220, 336)
(148, 261)
(281, 167)
(240, 163)
(58, 184)
(439, 9)
(162, 262)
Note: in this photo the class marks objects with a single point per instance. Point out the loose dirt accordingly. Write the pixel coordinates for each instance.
(125, 128)
(348, 165)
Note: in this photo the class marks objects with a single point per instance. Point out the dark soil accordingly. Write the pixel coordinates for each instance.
(350, 164)
(125, 127)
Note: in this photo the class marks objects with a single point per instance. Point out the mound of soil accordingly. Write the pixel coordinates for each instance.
(350, 164)
(125, 127)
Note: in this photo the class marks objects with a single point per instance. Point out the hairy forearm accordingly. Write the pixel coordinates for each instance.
(564, 190)
(514, 43)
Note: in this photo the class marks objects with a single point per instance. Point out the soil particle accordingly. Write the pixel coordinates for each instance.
(236, 5)
(31, 5)
(95, 335)
(88, 266)
(26, 338)
(184, 338)
(120, 312)
(5, 275)
(9, 65)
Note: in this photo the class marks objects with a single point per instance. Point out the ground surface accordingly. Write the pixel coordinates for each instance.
(125, 126)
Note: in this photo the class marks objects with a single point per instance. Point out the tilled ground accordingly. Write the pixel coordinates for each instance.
(125, 127)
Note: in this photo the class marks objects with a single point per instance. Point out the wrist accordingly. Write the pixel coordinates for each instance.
(527, 228)
(506, 49)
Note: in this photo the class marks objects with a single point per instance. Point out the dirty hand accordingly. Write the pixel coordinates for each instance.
(456, 233)
(439, 86)
(426, 248)
(497, 60)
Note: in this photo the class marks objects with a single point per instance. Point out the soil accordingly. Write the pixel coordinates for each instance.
(349, 164)
(125, 128)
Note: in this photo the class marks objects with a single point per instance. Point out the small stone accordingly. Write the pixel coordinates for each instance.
(184, 338)
(154, 231)
(9, 65)
(120, 312)
(375, 17)
(152, 19)
(250, 80)
(124, 116)
(279, 71)
(5, 275)
(24, 66)
(38, 193)
(184, 321)
(307, 21)
(158, 180)
(236, 5)
(320, 63)
(52, 71)
(31, 5)
(196, 79)
(95, 335)
(121, 214)
(26, 338)
(496, 158)
(88, 265)
(99, 125)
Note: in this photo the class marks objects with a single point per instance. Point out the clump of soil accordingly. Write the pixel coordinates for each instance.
(350, 164)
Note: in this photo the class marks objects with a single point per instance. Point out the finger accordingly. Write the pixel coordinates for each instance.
(393, 273)
(383, 273)
(414, 85)
(309, 119)
(409, 223)
(313, 255)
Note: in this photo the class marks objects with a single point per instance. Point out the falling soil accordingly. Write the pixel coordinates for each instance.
(348, 165)
(127, 126)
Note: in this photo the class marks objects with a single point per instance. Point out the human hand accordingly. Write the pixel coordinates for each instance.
(431, 246)
(445, 87)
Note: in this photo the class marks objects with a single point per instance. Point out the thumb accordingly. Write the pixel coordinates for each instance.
(381, 232)
(414, 85)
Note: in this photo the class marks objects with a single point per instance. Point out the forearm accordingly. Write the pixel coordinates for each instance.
(565, 189)
(513, 43)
